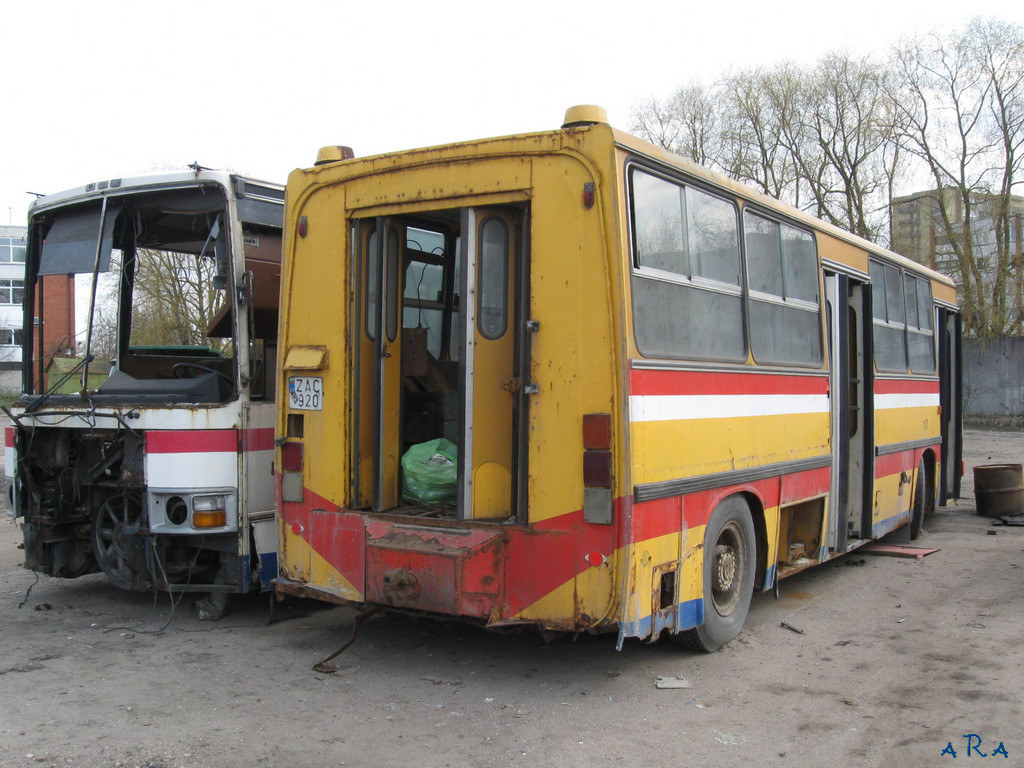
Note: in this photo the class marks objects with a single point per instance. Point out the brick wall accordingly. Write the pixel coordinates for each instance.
(54, 333)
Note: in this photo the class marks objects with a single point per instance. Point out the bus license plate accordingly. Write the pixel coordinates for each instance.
(306, 393)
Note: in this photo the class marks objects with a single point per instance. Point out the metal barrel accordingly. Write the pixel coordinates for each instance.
(999, 489)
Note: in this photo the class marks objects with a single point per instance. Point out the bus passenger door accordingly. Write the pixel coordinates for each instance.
(489, 386)
(377, 379)
(850, 385)
(950, 394)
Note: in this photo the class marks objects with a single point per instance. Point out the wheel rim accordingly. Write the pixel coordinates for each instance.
(727, 567)
(114, 545)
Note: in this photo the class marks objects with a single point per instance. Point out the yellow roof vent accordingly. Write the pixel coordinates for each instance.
(584, 114)
(333, 154)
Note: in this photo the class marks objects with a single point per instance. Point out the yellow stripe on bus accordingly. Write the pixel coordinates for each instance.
(666, 450)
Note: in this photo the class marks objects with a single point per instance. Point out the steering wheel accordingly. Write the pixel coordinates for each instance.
(177, 369)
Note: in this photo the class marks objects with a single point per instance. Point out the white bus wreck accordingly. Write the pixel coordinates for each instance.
(142, 446)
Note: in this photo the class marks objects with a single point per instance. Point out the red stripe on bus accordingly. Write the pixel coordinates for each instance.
(660, 382)
(339, 537)
(535, 560)
(905, 387)
(261, 439)
(904, 461)
(192, 441)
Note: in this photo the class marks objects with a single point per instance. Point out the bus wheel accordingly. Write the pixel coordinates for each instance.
(922, 500)
(117, 543)
(729, 563)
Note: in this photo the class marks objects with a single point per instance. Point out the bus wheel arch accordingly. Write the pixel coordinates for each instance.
(756, 508)
(731, 548)
(924, 493)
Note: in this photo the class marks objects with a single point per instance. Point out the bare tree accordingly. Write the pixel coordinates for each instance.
(174, 300)
(851, 155)
(959, 99)
(1000, 48)
(820, 138)
(686, 123)
(174, 303)
(838, 138)
(759, 105)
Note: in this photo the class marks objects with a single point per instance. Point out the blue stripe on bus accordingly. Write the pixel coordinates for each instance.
(685, 616)
(890, 524)
(268, 569)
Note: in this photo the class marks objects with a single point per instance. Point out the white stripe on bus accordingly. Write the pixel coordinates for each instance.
(906, 400)
(685, 407)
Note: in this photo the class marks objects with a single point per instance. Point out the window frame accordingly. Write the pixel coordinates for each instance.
(484, 263)
(8, 286)
(690, 281)
(9, 246)
(784, 301)
(880, 314)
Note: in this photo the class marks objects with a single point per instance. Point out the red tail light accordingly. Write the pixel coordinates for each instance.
(291, 457)
(597, 469)
(597, 455)
(597, 431)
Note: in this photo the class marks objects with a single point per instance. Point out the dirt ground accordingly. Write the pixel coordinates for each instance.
(897, 661)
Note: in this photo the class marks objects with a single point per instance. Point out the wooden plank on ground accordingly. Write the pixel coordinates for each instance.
(896, 550)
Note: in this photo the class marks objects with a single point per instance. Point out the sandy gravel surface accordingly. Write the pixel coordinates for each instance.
(897, 659)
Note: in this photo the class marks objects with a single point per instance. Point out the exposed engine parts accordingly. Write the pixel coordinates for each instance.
(83, 498)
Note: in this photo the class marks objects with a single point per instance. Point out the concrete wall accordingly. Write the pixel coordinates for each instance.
(994, 377)
(10, 381)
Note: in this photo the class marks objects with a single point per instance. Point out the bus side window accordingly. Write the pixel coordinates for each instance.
(889, 320)
(687, 299)
(782, 272)
(920, 331)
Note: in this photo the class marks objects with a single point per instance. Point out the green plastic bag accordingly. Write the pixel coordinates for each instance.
(430, 473)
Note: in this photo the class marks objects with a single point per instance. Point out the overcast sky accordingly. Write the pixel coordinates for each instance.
(106, 89)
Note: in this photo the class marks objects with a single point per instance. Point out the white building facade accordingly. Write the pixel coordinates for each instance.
(12, 299)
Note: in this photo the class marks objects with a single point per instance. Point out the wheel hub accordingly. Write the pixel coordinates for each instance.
(725, 568)
(119, 550)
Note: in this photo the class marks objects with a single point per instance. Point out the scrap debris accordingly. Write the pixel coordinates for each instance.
(898, 550)
(1009, 520)
(438, 680)
(322, 665)
(790, 627)
(672, 682)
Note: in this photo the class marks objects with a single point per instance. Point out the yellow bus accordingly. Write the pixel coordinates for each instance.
(659, 390)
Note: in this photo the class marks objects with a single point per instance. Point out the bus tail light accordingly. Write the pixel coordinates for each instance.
(291, 472)
(291, 457)
(597, 431)
(597, 468)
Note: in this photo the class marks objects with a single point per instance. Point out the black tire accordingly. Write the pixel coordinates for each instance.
(730, 558)
(922, 500)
